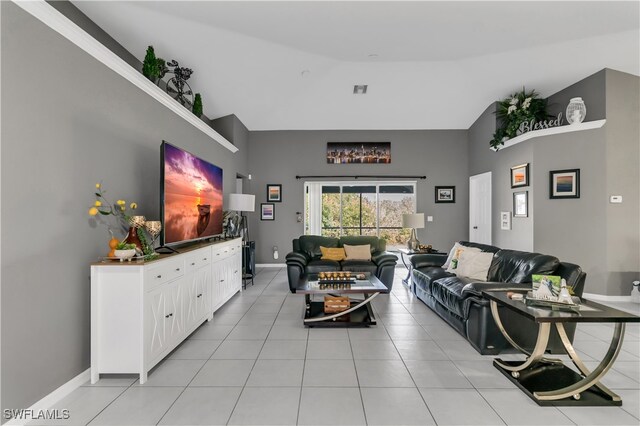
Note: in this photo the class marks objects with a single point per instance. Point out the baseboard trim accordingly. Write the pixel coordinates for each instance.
(270, 265)
(606, 298)
(55, 396)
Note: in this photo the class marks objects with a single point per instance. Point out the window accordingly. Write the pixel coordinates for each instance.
(333, 209)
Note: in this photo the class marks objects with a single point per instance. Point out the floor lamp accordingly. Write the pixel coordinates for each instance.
(243, 203)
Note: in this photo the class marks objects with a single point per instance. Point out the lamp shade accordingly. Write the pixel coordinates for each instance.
(413, 220)
(242, 202)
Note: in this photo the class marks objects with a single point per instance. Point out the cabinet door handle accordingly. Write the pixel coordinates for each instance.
(159, 276)
(193, 263)
(217, 254)
(226, 251)
(221, 281)
(198, 296)
(168, 315)
(235, 272)
(177, 269)
(204, 258)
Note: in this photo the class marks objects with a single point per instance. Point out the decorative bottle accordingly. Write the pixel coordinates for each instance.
(635, 292)
(564, 296)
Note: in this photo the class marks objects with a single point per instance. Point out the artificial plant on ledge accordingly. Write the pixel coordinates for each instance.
(516, 109)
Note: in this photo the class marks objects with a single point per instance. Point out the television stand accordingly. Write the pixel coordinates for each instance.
(166, 250)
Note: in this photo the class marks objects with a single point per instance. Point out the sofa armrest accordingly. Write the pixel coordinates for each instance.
(476, 288)
(384, 257)
(296, 257)
(424, 260)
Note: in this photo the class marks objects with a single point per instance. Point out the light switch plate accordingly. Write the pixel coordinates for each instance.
(429, 218)
(616, 199)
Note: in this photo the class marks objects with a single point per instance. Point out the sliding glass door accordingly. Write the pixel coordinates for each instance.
(363, 208)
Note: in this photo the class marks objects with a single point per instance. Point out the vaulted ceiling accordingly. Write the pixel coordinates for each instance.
(428, 65)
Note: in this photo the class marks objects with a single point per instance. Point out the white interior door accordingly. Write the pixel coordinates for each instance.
(480, 208)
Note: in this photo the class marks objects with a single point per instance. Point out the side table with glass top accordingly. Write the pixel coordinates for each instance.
(406, 255)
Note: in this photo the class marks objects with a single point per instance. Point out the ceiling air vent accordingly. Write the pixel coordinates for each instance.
(360, 89)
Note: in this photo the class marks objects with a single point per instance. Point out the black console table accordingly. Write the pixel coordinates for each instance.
(248, 262)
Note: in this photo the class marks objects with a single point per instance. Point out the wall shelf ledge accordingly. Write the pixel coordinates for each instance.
(587, 125)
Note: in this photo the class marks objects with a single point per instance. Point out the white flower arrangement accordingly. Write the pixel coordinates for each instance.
(511, 109)
(526, 103)
(514, 101)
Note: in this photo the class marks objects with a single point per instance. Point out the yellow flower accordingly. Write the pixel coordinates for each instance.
(133, 206)
(121, 202)
(98, 203)
(98, 186)
(123, 208)
(93, 211)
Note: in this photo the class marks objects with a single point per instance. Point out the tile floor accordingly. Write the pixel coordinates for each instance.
(255, 364)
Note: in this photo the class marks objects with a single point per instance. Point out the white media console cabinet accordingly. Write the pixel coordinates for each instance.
(140, 311)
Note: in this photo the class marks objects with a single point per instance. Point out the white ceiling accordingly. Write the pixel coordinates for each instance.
(438, 64)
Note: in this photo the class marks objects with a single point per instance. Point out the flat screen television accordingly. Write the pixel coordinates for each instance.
(191, 197)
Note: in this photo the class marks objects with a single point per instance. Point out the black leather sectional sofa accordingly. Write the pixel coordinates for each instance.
(305, 258)
(459, 300)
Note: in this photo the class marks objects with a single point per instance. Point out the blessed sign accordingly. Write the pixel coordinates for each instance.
(527, 126)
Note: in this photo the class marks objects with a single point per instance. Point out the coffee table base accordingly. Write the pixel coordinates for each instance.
(359, 315)
(545, 377)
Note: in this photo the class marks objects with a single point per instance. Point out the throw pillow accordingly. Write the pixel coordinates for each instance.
(456, 246)
(453, 265)
(474, 265)
(358, 252)
(332, 253)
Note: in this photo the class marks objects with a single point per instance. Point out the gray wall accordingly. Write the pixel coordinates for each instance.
(603, 238)
(623, 178)
(482, 160)
(68, 122)
(276, 157)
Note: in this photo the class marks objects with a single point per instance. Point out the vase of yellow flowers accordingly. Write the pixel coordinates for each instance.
(123, 213)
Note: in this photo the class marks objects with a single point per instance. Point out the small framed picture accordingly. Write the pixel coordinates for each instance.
(520, 175)
(520, 204)
(267, 211)
(445, 194)
(505, 221)
(274, 193)
(564, 183)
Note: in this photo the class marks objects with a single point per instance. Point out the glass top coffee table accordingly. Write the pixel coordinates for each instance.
(359, 314)
(548, 381)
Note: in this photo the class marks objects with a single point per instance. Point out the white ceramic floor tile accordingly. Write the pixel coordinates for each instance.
(343, 407)
(202, 406)
(630, 401)
(330, 373)
(437, 374)
(226, 318)
(238, 349)
(319, 333)
(329, 349)
(442, 332)
(223, 372)
(395, 406)
(460, 407)
(249, 332)
(630, 369)
(461, 350)
(83, 404)
(173, 372)
(368, 333)
(276, 372)
(288, 331)
(383, 373)
(420, 350)
(267, 406)
(516, 408)
(283, 349)
(374, 349)
(211, 332)
(599, 416)
(138, 406)
(482, 374)
(195, 349)
(407, 332)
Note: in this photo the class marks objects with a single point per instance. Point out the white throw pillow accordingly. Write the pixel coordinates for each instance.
(362, 252)
(453, 265)
(474, 265)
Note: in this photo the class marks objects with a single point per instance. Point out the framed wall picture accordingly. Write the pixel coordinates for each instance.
(358, 152)
(505, 221)
(564, 183)
(267, 211)
(274, 193)
(521, 204)
(520, 175)
(445, 194)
